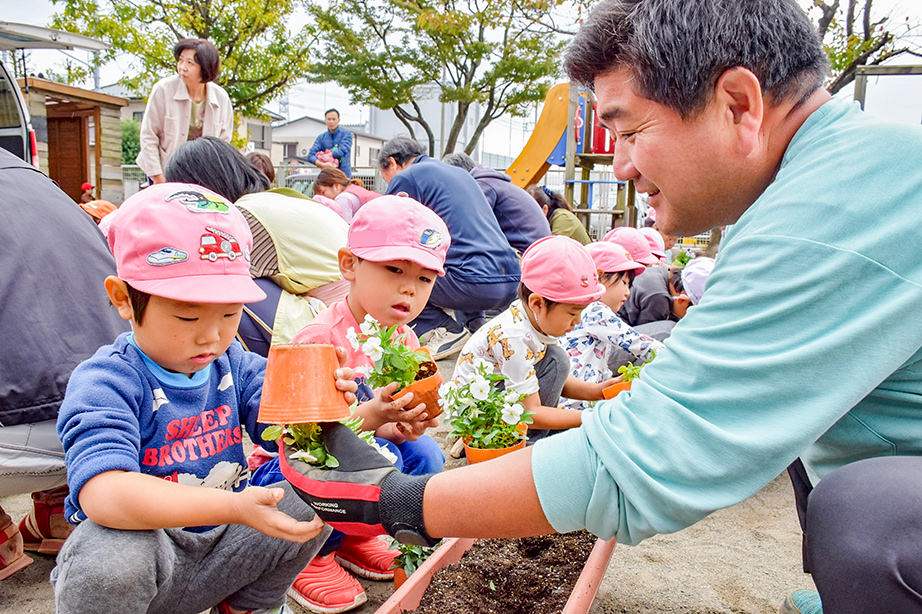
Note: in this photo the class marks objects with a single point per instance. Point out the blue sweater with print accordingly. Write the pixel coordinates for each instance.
(124, 412)
(479, 252)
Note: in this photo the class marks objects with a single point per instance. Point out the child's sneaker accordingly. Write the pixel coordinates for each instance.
(368, 557)
(223, 608)
(326, 588)
(12, 557)
(45, 528)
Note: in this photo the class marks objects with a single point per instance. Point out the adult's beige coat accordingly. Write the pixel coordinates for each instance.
(166, 121)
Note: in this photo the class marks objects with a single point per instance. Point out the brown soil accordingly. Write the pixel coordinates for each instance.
(532, 575)
(426, 369)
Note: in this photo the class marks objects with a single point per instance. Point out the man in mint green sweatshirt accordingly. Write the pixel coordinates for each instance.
(806, 345)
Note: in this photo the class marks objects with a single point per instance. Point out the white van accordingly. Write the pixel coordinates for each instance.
(16, 134)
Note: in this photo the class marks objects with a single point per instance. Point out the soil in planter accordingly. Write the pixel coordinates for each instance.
(426, 369)
(529, 575)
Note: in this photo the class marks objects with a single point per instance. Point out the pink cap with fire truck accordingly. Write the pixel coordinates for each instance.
(186, 243)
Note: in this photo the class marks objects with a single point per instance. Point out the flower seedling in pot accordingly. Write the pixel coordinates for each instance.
(628, 373)
(307, 441)
(483, 414)
(413, 370)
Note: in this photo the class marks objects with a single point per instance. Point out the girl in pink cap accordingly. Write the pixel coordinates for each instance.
(559, 280)
(602, 339)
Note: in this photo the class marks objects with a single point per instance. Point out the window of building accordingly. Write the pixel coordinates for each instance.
(260, 135)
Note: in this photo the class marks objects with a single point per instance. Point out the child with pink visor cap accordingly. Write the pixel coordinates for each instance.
(559, 280)
(152, 428)
(395, 250)
(601, 337)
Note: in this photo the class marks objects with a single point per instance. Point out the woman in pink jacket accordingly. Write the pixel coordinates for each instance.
(350, 194)
(184, 107)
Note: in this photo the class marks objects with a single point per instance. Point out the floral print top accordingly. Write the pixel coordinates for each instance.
(592, 341)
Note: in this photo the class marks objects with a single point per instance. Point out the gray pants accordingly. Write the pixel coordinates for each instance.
(173, 571)
(552, 372)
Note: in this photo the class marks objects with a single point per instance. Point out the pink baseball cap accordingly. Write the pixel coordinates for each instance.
(184, 242)
(561, 270)
(610, 257)
(399, 228)
(634, 241)
(655, 240)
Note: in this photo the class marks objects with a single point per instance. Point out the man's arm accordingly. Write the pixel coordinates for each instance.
(344, 146)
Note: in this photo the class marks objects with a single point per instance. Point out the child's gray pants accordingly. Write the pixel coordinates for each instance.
(173, 571)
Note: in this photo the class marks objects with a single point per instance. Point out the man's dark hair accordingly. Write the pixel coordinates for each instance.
(677, 50)
(402, 149)
(331, 111)
(460, 159)
(138, 300)
(208, 161)
(206, 56)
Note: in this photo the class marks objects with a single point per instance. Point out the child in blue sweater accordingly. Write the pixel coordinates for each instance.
(152, 428)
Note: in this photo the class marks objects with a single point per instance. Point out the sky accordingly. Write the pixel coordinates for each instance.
(896, 97)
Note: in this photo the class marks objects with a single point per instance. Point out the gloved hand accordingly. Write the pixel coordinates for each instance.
(365, 495)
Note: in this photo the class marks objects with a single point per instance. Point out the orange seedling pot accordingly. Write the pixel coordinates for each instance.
(400, 576)
(425, 391)
(300, 386)
(612, 391)
(479, 455)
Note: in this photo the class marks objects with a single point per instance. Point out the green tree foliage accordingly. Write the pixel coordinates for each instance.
(259, 56)
(855, 33)
(131, 140)
(393, 54)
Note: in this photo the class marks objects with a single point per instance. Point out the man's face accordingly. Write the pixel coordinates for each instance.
(332, 120)
(685, 166)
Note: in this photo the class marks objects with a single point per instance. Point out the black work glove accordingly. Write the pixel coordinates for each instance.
(365, 495)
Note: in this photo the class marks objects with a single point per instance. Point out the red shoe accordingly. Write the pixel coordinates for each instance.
(326, 588)
(368, 557)
(45, 528)
(258, 457)
(12, 558)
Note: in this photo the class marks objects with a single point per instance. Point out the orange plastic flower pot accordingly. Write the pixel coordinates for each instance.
(426, 391)
(612, 391)
(400, 576)
(479, 455)
(300, 386)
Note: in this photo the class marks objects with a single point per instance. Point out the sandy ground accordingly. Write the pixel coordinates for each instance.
(740, 560)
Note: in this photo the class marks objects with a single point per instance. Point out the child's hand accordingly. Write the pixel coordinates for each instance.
(602, 386)
(383, 408)
(345, 377)
(255, 507)
(412, 431)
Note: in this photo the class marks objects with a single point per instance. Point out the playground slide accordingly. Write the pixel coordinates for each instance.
(531, 164)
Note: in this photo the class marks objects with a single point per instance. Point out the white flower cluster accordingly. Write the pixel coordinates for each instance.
(479, 389)
(372, 345)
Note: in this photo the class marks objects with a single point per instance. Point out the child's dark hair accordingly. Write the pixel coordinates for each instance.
(139, 301)
(548, 198)
(613, 276)
(675, 278)
(524, 293)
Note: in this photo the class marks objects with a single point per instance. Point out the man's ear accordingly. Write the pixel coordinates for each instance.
(739, 96)
(347, 262)
(118, 295)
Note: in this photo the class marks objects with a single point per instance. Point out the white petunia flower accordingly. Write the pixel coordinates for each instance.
(353, 338)
(480, 389)
(375, 352)
(511, 397)
(304, 455)
(444, 389)
(369, 325)
(513, 413)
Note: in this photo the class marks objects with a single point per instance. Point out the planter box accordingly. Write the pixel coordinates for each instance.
(407, 597)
